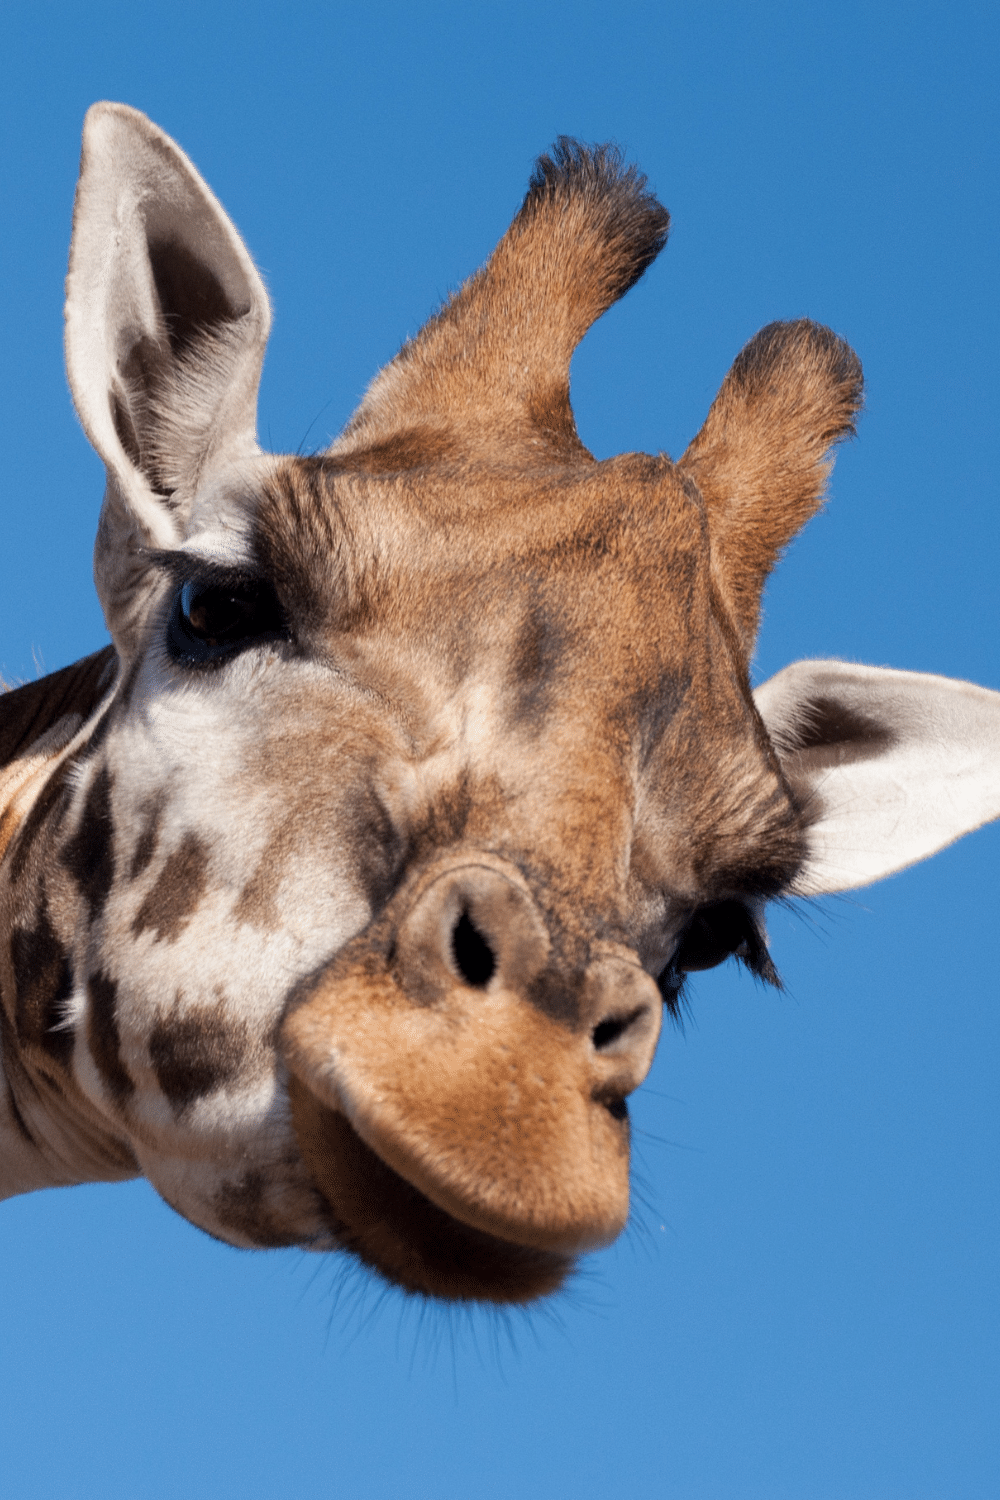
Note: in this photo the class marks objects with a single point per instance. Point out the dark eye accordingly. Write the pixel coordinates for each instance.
(721, 930)
(213, 620)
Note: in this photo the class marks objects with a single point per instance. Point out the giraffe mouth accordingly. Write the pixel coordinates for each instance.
(468, 1143)
(391, 1227)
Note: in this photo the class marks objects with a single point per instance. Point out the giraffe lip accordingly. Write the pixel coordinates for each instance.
(393, 1228)
(490, 1107)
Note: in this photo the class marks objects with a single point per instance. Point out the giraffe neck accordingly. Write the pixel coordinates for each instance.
(49, 1134)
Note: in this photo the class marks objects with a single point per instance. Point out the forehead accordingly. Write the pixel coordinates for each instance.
(577, 603)
(562, 549)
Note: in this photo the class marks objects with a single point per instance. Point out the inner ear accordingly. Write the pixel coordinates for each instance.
(889, 766)
(191, 296)
(840, 728)
(166, 324)
(139, 362)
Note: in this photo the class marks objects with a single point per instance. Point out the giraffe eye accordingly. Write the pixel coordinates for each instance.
(713, 934)
(212, 620)
(720, 930)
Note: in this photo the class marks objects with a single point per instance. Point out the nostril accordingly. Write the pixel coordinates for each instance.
(606, 1033)
(474, 958)
(613, 1101)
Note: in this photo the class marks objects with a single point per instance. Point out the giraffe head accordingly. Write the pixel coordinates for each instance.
(431, 764)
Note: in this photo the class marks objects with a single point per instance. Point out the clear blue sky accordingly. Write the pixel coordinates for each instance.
(806, 1307)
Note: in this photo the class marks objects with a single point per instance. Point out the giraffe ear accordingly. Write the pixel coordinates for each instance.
(166, 323)
(888, 766)
(762, 458)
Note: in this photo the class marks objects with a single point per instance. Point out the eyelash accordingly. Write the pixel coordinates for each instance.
(720, 930)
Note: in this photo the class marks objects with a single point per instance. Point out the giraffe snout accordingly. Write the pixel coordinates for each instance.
(487, 1079)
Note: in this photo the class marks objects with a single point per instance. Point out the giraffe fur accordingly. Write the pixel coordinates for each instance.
(342, 894)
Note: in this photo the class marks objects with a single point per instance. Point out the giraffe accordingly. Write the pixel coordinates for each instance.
(341, 895)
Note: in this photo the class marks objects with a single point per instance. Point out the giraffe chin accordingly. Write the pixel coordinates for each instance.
(394, 1229)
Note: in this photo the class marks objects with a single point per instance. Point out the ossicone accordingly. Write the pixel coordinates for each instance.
(490, 372)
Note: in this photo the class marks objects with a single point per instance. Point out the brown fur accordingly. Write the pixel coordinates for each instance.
(362, 925)
(491, 371)
(606, 654)
(176, 894)
(29, 711)
(625, 699)
(762, 458)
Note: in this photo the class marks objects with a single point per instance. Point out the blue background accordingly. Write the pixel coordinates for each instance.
(805, 1304)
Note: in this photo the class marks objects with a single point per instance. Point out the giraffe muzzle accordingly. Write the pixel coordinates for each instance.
(428, 1033)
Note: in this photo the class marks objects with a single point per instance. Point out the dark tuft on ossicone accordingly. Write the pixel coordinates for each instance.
(633, 222)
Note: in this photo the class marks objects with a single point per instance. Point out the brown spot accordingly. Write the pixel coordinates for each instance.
(103, 1037)
(299, 519)
(179, 888)
(146, 843)
(13, 1070)
(27, 712)
(556, 992)
(256, 906)
(89, 855)
(444, 820)
(18, 1118)
(43, 980)
(539, 655)
(375, 847)
(242, 1208)
(649, 710)
(53, 799)
(194, 1052)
